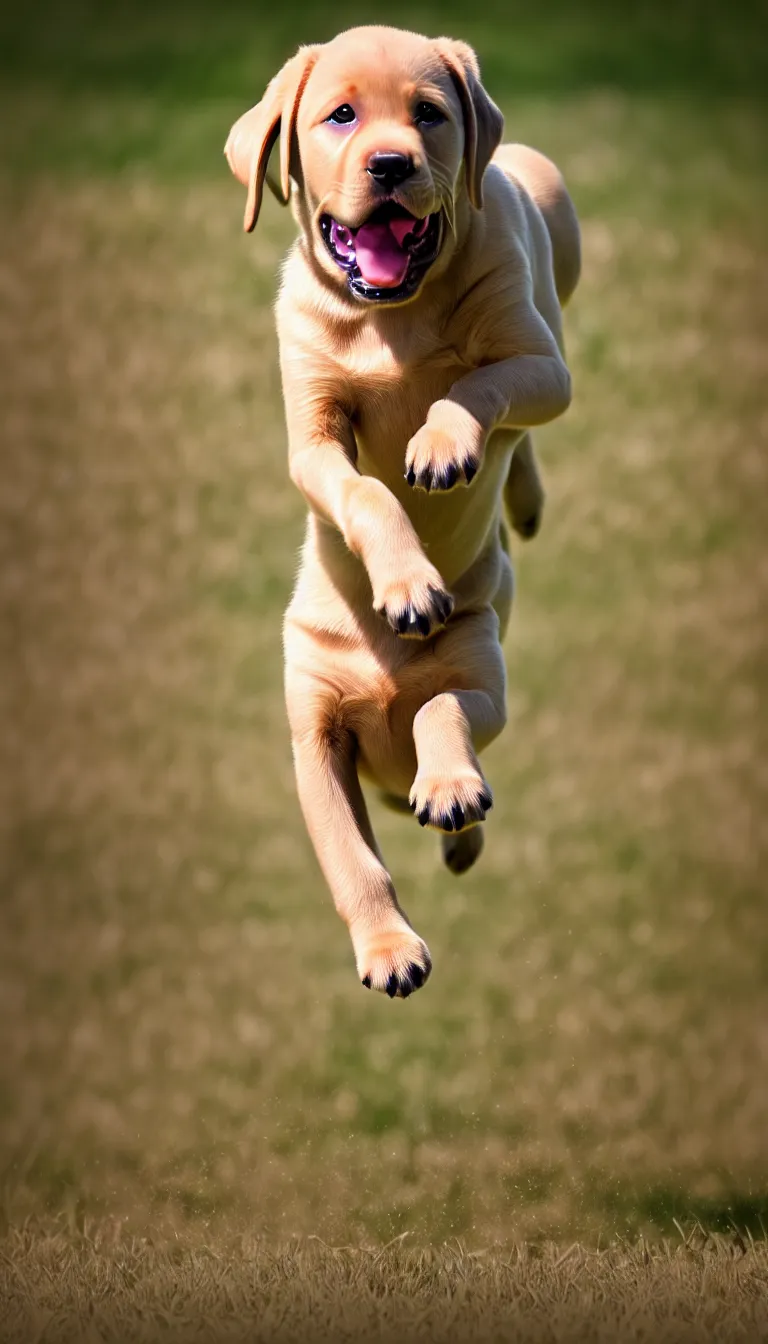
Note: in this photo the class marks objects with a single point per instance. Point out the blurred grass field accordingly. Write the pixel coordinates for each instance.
(184, 1046)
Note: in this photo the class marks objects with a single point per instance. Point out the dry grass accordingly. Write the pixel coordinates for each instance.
(178, 997)
(183, 1044)
(97, 1286)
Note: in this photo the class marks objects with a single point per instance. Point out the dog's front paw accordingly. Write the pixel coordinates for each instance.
(415, 605)
(447, 451)
(450, 803)
(394, 963)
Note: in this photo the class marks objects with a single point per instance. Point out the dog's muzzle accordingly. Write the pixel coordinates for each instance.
(387, 257)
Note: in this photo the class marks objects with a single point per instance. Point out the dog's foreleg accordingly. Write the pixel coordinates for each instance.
(390, 956)
(530, 387)
(527, 389)
(407, 589)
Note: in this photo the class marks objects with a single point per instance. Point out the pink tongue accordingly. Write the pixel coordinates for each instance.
(379, 252)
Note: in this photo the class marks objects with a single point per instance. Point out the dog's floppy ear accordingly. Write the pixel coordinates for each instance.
(252, 138)
(483, 122)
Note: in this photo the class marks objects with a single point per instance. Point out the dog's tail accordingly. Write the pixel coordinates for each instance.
(544, 183)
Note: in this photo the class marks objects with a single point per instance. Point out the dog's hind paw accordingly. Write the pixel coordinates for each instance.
(461, 851)
(528, 527)
(452, 803)
(395, 963)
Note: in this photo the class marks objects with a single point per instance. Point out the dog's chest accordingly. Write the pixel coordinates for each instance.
(391, 391)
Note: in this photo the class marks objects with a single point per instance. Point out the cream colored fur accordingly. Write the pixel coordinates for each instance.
(393, 662)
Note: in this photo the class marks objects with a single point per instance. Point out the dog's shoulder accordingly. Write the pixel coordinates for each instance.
(495, 275)
(510, 258)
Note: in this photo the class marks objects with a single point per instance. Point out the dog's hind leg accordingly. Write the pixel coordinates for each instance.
(390, 956)
(450, 792)
(523, 491)
(544, 183)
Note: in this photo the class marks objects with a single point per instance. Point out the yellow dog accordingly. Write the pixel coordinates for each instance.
(419, 321)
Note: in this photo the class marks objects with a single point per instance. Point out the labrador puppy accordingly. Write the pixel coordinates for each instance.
(419, 322)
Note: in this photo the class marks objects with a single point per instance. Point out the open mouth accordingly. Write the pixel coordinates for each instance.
(387, 256)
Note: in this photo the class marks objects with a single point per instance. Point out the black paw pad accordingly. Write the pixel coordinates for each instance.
(470, 472)
(366, 980)
(392, 985)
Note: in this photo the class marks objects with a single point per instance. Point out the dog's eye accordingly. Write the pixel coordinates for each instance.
(342, 116)
(427, 114)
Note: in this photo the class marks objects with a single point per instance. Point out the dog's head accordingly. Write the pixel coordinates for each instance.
(385, 135)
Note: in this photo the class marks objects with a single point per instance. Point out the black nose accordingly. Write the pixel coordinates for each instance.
(389, 169)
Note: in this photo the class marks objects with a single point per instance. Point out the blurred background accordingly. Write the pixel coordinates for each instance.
(184, 1045)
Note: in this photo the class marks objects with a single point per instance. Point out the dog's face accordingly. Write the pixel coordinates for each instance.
(380, 140)
(382, 131)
